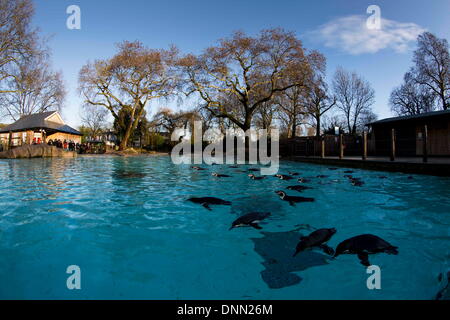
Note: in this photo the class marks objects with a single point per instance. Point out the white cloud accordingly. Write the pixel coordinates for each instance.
(351, 35)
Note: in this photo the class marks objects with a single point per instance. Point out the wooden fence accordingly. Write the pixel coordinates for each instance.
(352, 146)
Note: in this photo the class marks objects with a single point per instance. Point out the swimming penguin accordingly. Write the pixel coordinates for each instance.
(303, 180)
(363, 245)
(294, 174)
(250, 219)
(217, 175)
(298, 188)
(233, 167)
(253, 177)
(291, 199)
(318, 238)
(207, 201)
(356, 182)
(198, 168)
(283, 177)
(322, 176)
(253, 170)
(349, 171)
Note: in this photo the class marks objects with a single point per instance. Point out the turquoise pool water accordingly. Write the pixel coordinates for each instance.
(126, 223)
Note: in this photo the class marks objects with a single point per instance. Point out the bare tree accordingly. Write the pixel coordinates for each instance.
(34, 88)
(432, 66)
(237, 76)
(27, 83)
(354, 97)
(265, 115)
(319, 102)
(169, 120)
(94, 119)
(292, 107)
(129, 80)
(331, 122)
(412, 98)
(18, 40)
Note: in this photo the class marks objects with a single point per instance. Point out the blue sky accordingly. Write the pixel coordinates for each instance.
(335, 28)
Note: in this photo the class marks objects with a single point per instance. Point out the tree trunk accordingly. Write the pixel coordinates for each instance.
(444, 103)
(318, 124)
(294, 126)
(124, 143)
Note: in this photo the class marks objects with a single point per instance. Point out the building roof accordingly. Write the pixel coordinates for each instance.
(39, 121)
(413, 117)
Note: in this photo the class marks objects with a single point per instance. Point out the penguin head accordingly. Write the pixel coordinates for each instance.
(215, 174)
(282, 194)
(251, 176)
(341, 248)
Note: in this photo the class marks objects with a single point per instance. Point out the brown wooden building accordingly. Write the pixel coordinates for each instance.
(38, 128)
(409, 132)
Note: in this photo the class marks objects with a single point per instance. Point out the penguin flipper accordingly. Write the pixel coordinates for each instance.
(255, 225)
(327, 249)
(206, 206)
(364, 258)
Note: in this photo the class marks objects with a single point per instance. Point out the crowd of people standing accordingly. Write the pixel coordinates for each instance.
(82, 148)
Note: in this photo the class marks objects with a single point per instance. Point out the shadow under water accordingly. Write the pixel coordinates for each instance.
(277, 249)
(256, 203)
(129, 175)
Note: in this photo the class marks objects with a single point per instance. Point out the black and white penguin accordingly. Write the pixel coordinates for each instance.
(318, 239)
(357, 182)
(198, 168)
(283, 177)
(250, 219)
(292, 199)
(363, 245)
(217, 175)
(207, 201)
(253, 177)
